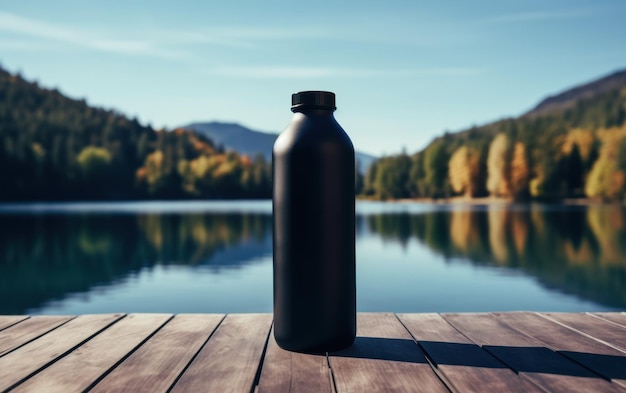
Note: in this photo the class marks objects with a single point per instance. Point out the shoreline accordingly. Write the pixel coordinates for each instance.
(490, 201)
(458, 200)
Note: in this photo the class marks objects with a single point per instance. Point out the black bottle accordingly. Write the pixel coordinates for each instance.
(313, 205)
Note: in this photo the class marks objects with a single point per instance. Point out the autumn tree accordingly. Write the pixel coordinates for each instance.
(498, 167)
(94, 162)
(153, 172)
(585, 140)
(463, 170)
(606, 180)
(519, 172)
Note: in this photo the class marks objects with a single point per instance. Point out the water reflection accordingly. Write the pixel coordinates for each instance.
(46, 257)
(576, 250)
(579, 251)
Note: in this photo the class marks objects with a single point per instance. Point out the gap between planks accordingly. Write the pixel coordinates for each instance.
(427, 353)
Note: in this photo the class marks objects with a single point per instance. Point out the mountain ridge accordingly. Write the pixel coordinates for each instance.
(568, 98)
(244, 140)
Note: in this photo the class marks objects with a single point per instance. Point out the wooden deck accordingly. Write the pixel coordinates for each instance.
(497, 352)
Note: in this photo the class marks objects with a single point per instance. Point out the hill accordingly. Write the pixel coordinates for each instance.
(246, 141)
(572, 145)
(569, 98)
(58, 148)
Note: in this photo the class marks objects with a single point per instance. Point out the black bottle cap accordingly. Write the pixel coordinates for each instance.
(313, 100)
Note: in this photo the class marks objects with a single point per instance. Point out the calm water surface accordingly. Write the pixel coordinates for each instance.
(217, 257)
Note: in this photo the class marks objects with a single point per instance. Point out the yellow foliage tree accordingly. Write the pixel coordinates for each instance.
(463, 170)
(497, 181)
(581, 137)
(154, 169)
(605, 180)
(520, 173)
(94, 161)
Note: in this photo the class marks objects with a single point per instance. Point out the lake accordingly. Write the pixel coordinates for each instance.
(216, 257)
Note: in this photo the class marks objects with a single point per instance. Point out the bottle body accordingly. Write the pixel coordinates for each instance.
(314, 240)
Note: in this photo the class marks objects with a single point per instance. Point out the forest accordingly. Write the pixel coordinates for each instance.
(57, 148)
(570, 153)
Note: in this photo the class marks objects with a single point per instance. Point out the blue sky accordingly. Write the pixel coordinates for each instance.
(403, 71)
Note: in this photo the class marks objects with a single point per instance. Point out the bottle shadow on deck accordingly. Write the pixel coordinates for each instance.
(519, 359)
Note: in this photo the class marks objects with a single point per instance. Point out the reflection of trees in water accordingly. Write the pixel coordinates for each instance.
(193, 239)
(579, 250)
(47, 257)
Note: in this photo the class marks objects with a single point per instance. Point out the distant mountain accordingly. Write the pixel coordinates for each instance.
(243, 140)
(569, 98)
(233, 136)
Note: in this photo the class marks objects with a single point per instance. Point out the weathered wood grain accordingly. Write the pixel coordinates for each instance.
(158, 362)
(615, 317)
(82, 367)
(384, 358)
(465, 365)
(468, 352)
(229, 361)
(528, 356)
(21, 363)
(18, 335)
(292, 372)
(10, 320)
(597, 328)
(600, 358)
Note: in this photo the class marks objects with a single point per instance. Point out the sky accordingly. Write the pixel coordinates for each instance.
(404, 72)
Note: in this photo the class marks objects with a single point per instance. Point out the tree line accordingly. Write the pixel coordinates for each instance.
(57, 148)
(577, 152)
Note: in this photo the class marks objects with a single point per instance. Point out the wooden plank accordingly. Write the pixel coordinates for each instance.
(82, 367)
(604, 360)
(28, 359)
(528, 356)
(156, 364)
(18, 335)
(229, 361)
(384, 358)
(286, 371)
(465, 365)
(615, 317)
(10, 320)
(597, 328)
